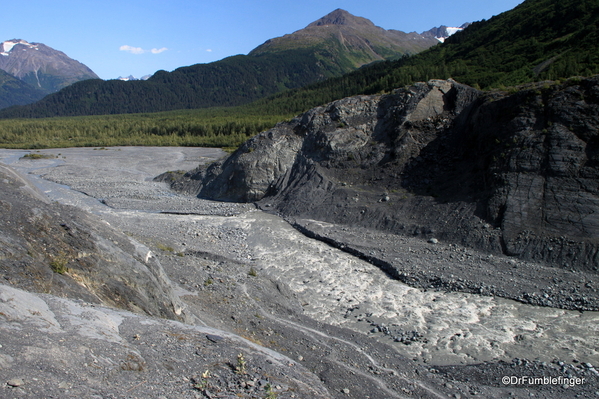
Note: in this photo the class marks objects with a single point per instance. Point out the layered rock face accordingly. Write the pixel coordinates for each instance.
(508, 173)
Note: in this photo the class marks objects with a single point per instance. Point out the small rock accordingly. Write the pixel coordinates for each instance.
(433, 241)
(214, 338)
(345, 391)
(15, 382)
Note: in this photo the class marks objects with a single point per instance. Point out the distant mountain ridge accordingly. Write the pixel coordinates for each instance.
(131, 77)
(332, 46)
(355, 40)
(41, 66)
(538, 40)
(14, 91)
(40, 69)
(443, 32)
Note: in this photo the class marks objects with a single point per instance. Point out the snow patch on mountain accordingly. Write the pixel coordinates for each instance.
(8, 45)
(443, 32)
(131, 77)
(451, 31)
(448, 32)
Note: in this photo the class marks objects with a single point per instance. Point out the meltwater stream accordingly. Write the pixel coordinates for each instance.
(333, 286)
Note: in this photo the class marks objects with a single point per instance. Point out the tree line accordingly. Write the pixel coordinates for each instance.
(217, 127)
(538, 40)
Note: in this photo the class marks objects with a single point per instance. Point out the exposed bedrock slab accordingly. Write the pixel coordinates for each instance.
(57, 347)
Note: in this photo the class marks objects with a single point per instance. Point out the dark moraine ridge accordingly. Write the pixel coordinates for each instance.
(512, 174)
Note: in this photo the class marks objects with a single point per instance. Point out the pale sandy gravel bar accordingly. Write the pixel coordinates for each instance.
(120, 177)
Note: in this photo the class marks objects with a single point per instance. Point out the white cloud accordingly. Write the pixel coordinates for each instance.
(139, 50)
(132, 50)
(209, 50)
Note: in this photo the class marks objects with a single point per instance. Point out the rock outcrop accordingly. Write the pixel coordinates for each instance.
(58, 347)
(514, 173)
(50, 248)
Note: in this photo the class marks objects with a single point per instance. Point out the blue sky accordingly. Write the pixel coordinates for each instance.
(139, 37)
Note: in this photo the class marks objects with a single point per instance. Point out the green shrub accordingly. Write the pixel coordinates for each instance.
(59, 265)
(38, 156)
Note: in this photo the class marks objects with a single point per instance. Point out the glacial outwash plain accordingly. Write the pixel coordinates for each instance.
(344, 212)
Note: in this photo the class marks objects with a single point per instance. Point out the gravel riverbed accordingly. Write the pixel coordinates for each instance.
(249, 272)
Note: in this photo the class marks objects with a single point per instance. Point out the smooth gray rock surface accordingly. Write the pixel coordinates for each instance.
(56, 347)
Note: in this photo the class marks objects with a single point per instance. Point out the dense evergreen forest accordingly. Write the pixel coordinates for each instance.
(538, 40)
(215, 127)
(232, 81)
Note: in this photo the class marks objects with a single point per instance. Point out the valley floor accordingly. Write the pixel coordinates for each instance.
(250, 273)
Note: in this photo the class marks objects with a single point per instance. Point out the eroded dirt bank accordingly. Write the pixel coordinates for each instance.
(351, 330)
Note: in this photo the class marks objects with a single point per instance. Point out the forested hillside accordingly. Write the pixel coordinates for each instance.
(318, 52)
(232, 81)
(14, 91)
(538, 40)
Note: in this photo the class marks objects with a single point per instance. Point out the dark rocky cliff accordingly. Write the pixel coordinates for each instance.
(514, 173)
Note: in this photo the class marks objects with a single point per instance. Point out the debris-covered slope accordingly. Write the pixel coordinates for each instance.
(515, 173)
(50, 248)
(73, 349)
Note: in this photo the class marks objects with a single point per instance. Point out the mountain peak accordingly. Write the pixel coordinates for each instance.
(6, 47)
(354, 41)
(41, 66)
(341, 17)
(443, 32)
